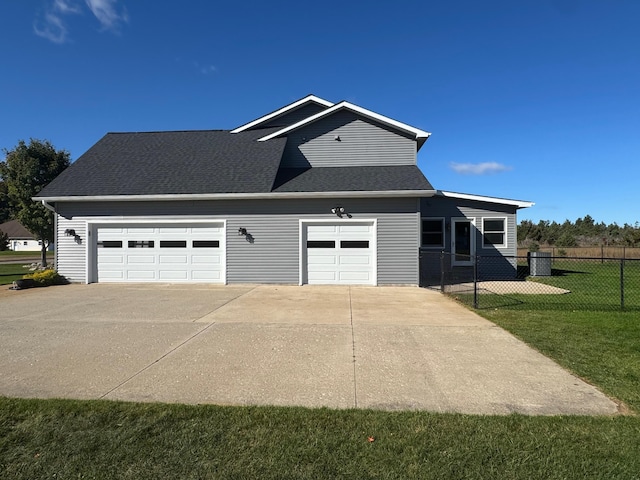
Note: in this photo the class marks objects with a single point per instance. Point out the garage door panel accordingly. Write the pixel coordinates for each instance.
(174, 230)
(113, 274)
(115, 259)
(140, 259)
(168, 259)
(347, 229)
(340, 253)
(321, 229)
(173, 275)
(320, 276)
(143, 230)
(364, 259)
(361, 277)
(205, 275)
(319, 259)
(141, 275)
(205, 260)
(171, 253)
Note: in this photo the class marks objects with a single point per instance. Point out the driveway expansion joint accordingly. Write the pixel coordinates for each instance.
(157, 360)
(223, 304)
(353, 350)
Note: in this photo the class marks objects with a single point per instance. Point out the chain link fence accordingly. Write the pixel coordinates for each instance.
(540, 282)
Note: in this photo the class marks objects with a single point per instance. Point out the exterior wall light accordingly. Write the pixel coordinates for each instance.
(242, 231)
(70, 232)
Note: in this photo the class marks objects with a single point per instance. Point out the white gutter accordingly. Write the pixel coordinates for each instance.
(482, 198)
(238, 196)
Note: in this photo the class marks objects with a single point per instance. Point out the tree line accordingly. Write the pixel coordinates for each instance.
(584, 232)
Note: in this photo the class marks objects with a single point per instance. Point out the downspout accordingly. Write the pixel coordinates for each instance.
(48, 206)
(55, 231)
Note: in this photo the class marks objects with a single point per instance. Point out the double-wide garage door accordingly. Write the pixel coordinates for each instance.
(340, 253)
(160, 253)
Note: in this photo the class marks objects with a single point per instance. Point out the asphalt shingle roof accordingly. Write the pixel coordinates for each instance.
(212, 162)
(192, 162)
(338, 179)
(14, 229)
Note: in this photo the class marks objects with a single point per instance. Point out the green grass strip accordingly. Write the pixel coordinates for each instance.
(99, 439)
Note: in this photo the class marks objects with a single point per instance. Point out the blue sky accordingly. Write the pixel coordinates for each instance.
(532, 100)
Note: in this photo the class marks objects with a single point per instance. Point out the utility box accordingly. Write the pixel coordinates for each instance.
(540, 264)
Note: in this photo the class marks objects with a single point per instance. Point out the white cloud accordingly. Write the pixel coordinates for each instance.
(106, 13)
(52, 23)
(479, 168)
(65, 6)
(52, 28)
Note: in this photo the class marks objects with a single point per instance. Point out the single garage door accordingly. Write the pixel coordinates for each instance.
(160, 253)
(340, 253)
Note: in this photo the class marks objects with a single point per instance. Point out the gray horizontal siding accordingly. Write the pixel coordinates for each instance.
(495, 267)
(272, 253)
(451, 208)
(71, 255)
(361, 142)
(398, 237)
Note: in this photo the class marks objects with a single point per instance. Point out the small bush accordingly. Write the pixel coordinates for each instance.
(47, 277)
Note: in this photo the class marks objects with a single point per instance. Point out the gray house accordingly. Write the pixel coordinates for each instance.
(312, 193)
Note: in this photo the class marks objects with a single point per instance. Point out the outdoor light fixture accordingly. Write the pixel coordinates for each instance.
(70, 232)
(338, 211)
(242, 231)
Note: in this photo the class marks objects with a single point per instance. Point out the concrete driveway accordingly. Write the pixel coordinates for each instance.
(342, 347)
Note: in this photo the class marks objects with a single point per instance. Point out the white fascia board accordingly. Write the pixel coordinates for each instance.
(285, 109)
(242, 196)
(354, 108)
(482, 198)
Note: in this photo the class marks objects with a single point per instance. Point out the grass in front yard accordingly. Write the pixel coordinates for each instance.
(11, 271)
(29, 253)
(99, 439)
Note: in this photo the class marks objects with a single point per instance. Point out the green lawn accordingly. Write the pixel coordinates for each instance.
(11, 253)
(99, 439)
(10, 272)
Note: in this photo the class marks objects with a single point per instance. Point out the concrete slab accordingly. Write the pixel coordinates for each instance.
(311, 305)
(408, 306)
(155, 303)
(276, 345)
(80, 360)
(254, 364)
(476, 370)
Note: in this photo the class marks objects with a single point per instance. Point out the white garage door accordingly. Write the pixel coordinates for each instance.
(340, 253)
(160, 253)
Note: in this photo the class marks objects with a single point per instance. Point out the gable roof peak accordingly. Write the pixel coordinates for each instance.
(281, 111)
(420, 135)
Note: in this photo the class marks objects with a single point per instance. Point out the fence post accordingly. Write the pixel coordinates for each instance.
(442, 272)
(622, 284)
(475, 281)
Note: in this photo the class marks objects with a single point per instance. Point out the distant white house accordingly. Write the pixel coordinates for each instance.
(21, 239)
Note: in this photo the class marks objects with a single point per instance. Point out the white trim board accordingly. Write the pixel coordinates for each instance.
(237, 196)
(482, 198)
(353, 108)
(281, 111)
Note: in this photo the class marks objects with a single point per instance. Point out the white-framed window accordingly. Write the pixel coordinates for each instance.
(494, 232)
(432, 232)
